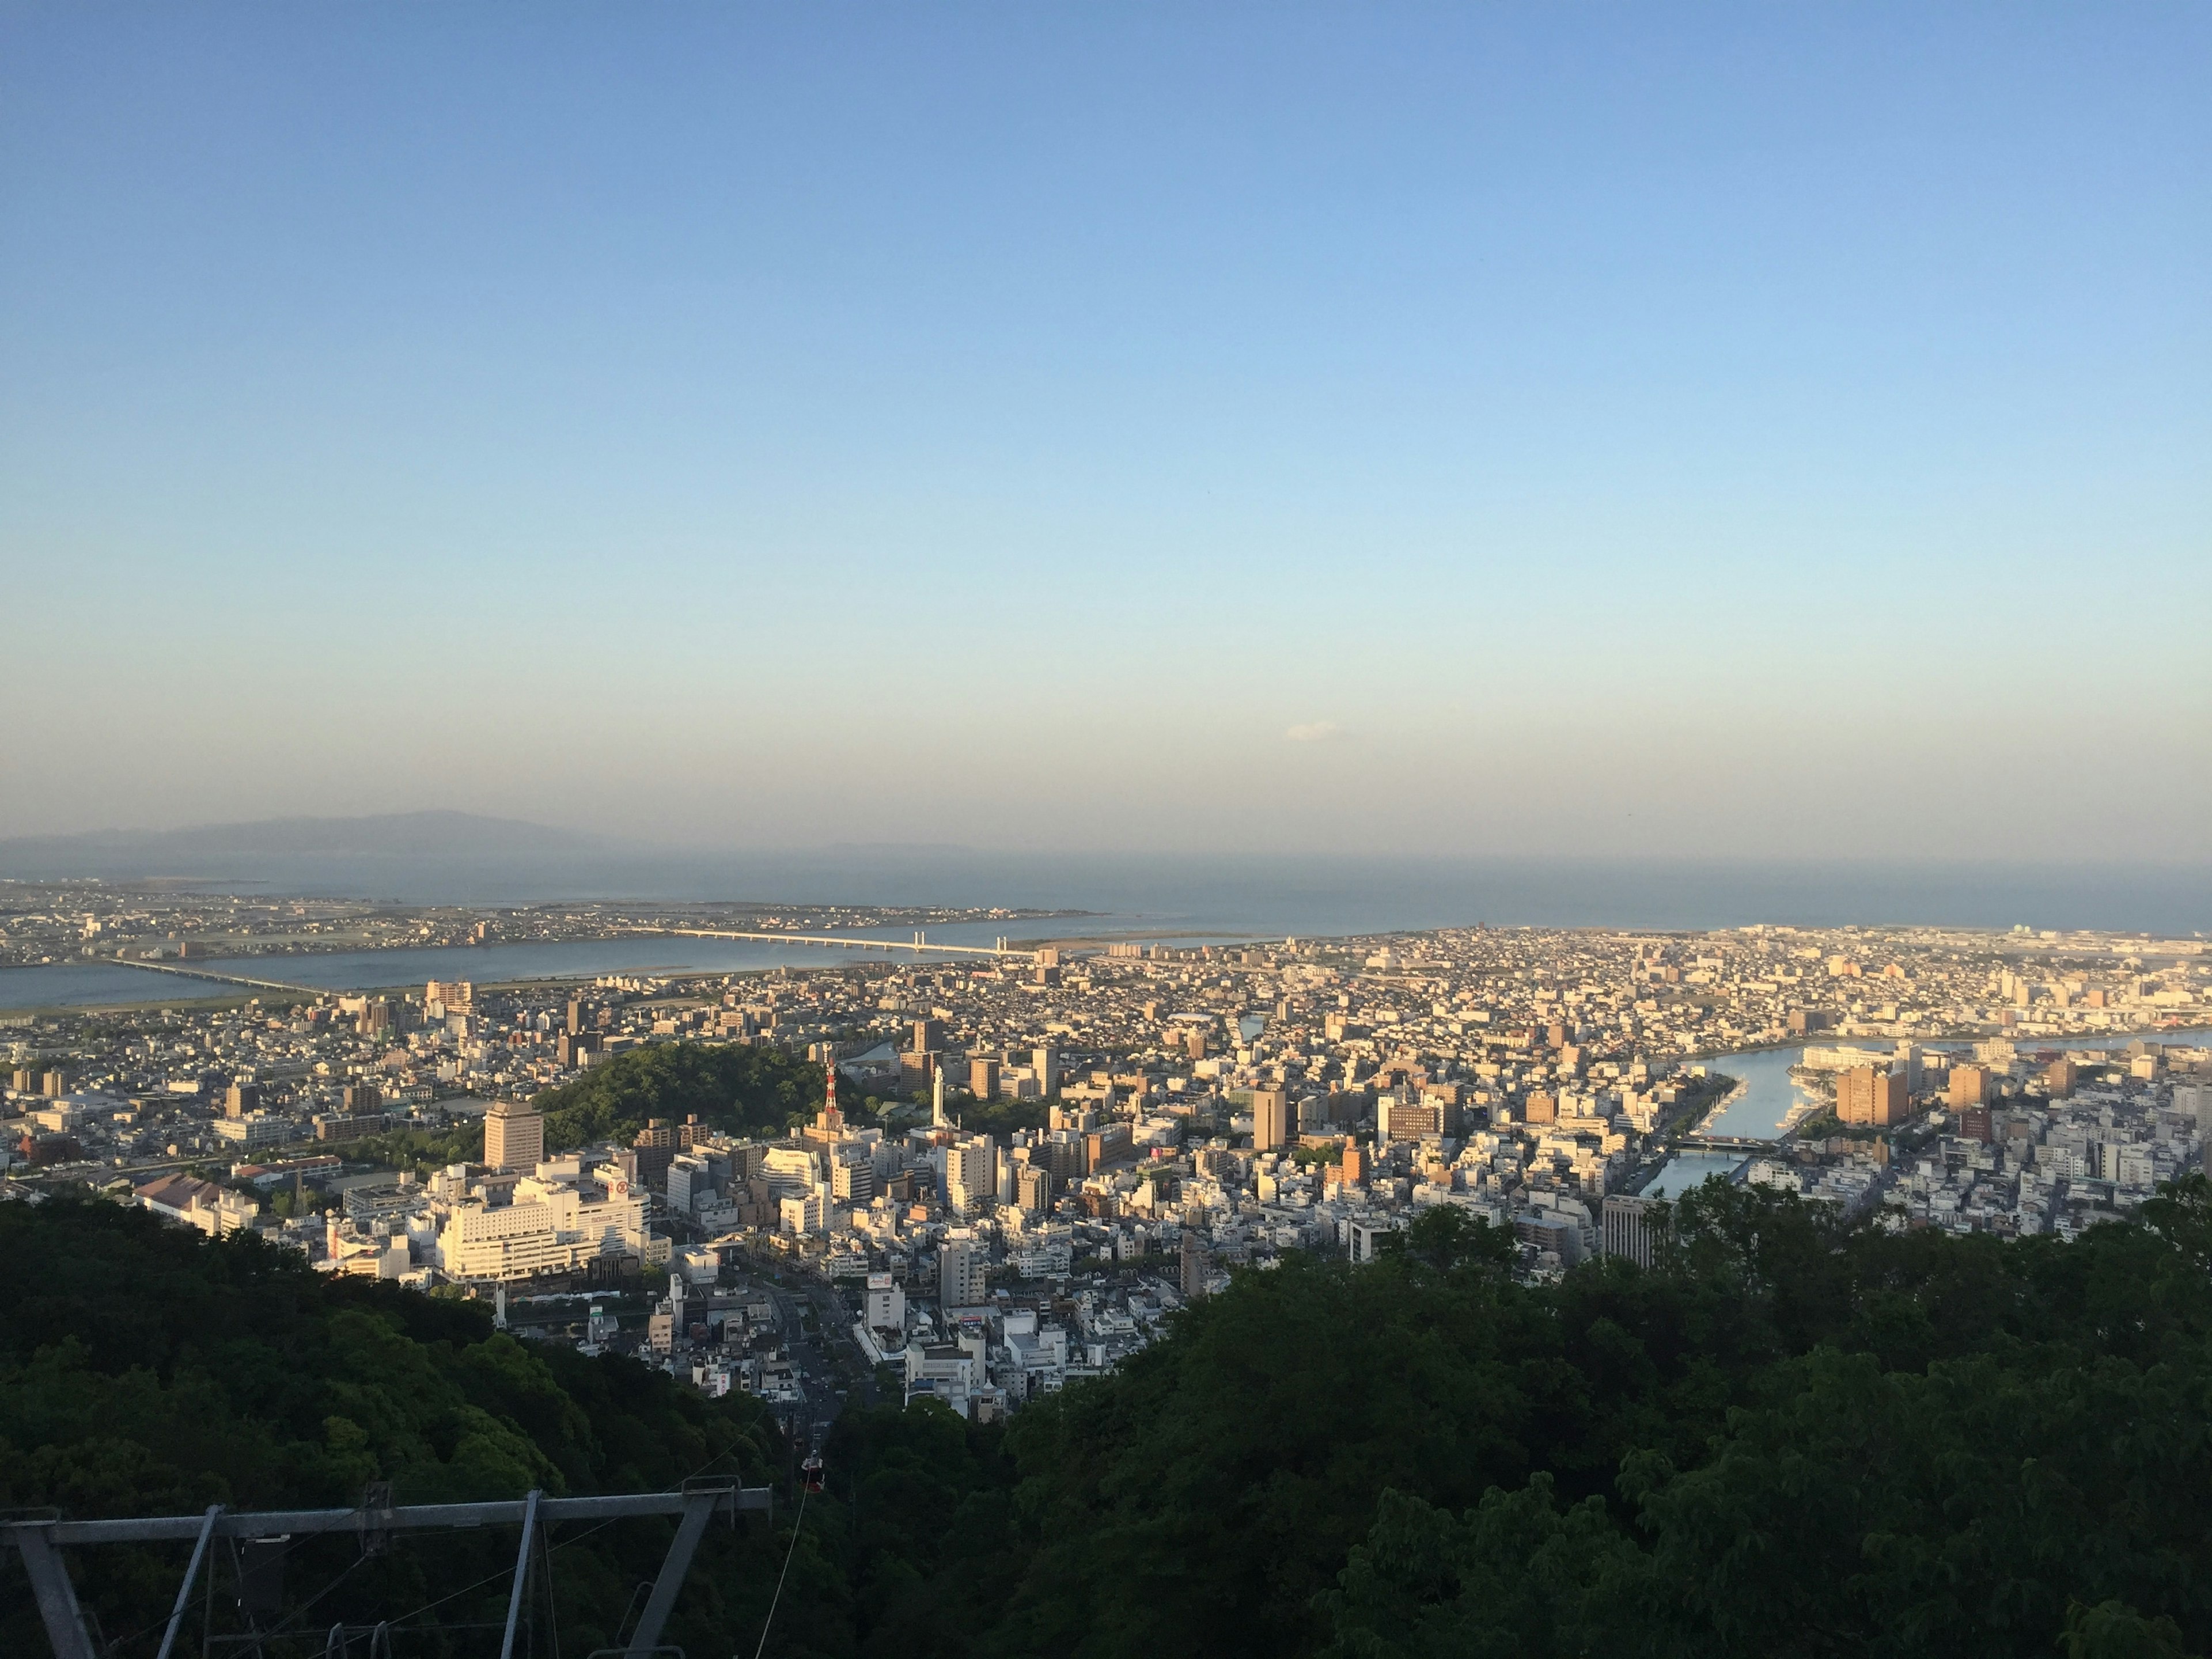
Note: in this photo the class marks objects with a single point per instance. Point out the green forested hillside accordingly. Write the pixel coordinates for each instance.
(145, 1370)
(1792, 1440)
(731, 1087)
(1789, 1439)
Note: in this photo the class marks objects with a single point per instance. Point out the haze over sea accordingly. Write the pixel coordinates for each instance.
(1262, 896)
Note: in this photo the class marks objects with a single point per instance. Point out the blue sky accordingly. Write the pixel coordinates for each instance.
(1597, 428)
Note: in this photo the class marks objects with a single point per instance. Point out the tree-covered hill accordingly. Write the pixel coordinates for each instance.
(1793, 1439)
(147, 1369)
(1790, 1438)
(729, 1086)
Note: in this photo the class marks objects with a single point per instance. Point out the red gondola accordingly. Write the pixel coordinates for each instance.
(810, 1471)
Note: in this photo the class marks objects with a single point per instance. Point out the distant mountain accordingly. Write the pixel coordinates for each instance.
(231, 848)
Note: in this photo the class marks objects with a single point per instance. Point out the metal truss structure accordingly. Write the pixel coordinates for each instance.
(40, 1538)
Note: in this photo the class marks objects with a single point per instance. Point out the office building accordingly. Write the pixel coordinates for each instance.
(690, 1183)
(983, 1079)
(1970, 1085)
(1409, 1120)
(1109, 1143)
(1626, 1230)
(852, 1182)
(1045, 1062)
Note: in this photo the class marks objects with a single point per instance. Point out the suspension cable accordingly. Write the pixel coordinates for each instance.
(770, 1622)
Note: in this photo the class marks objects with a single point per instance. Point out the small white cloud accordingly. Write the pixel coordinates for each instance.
(1318, 732)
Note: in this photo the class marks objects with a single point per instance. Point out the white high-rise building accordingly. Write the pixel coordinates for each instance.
(963, 1274)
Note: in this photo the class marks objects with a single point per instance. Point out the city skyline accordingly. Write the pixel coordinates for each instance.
(1424, 434)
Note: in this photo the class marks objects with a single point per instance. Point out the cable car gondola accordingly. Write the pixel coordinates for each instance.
(810, 1471)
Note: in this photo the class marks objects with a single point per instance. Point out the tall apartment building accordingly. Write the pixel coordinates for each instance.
(455, 996)
(1970, 1085)
(1270, 1119)
(963, 1274)
(1033, 1188)
(514, 1136)
(655, 1146)
(983, 1079)
(1872, 1094)
(852, 1182)
(1197, 1262)
(971, 1175)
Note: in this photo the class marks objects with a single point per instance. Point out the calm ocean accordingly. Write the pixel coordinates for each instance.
(1192, 898)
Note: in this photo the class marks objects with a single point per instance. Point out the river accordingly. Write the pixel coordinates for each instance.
(1770, 1095)
(108, 984)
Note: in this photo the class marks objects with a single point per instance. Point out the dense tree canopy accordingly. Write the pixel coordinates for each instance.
(1792, 1436)
(147, 1369)
(729, 1086)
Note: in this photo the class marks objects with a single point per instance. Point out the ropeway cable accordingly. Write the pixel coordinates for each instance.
(770, 1623)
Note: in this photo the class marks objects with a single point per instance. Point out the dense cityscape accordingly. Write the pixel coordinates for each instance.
(1038, 1156)
(1183, 832)
(43, 923)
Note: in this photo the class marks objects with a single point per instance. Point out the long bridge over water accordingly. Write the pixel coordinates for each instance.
(222, 979)
(845, 941)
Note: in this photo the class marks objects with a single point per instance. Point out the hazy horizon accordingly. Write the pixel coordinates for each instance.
(1708, 433)
(447, 859)
(542, 838)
